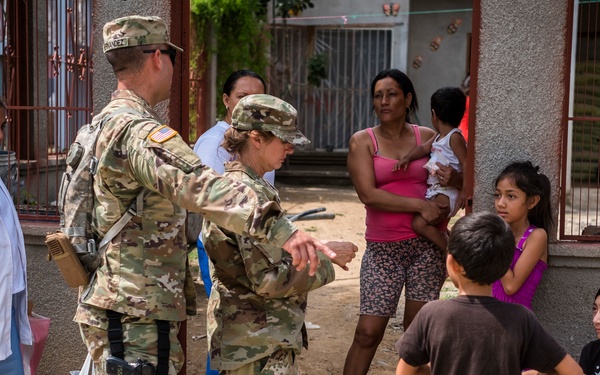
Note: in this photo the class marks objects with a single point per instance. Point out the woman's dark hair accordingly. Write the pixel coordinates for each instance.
(233, 78)
(449, 105)
(405, 85)
(484, 245)
(235, 140)
(528, 179)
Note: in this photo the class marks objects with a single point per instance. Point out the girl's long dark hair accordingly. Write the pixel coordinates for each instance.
(527, 178)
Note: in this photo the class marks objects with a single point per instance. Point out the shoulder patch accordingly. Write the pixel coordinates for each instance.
(162, 134)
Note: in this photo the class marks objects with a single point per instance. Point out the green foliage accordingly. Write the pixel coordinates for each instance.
(238, 29)
(317, 69)
(287, 8)
(235, 31)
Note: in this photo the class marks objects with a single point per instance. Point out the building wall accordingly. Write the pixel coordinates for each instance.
(520, 90)
(448, 65)
(413, 30)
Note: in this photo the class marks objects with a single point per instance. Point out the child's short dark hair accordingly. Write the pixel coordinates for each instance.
(449, 105)
(483, 244)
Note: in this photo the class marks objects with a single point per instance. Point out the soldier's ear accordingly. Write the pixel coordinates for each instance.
(255, 139)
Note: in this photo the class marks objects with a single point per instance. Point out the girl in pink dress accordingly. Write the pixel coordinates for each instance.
(522, 199)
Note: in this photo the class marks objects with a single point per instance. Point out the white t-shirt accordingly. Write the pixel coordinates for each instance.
(441, 152)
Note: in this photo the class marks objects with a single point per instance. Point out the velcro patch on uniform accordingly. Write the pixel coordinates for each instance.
(163, 134)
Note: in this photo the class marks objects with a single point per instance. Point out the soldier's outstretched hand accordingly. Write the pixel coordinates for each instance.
(345, 251)
(303, 249)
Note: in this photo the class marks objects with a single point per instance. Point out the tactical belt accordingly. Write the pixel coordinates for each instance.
(117, 349)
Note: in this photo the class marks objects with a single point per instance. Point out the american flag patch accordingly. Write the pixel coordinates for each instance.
(163, 134)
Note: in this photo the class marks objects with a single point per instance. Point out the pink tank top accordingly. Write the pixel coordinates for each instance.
(525, 294)
(383, 226)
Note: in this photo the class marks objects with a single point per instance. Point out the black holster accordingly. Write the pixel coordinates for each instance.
(116, 364)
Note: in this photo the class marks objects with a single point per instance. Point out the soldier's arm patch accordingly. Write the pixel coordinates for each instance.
(162, 134)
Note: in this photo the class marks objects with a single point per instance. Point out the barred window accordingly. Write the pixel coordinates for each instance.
(338, 104)
(580, 196)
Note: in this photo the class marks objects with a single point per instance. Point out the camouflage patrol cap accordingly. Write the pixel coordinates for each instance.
(134, 31)
(268, 113)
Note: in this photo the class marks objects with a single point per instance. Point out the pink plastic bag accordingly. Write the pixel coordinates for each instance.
(32, 354)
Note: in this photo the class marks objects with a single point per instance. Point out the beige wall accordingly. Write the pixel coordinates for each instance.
(448, 65)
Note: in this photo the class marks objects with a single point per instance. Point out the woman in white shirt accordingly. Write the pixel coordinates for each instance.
(14, 324)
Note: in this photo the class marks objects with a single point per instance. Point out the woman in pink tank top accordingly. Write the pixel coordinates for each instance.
(396, 257)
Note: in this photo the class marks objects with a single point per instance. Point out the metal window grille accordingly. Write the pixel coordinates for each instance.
(580, 200)
(45, 74)
(330, 113)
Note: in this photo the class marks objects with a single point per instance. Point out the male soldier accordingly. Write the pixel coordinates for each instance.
(137, 298)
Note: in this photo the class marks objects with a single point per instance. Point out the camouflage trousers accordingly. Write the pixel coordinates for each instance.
(140, 339)
(282, 362)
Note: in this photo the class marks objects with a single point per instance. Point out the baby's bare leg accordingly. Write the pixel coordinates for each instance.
(429, 230)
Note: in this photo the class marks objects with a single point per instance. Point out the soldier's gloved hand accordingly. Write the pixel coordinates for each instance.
(90, 262)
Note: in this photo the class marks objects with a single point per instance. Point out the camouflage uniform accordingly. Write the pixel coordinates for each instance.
(258, 301)
(143, 274)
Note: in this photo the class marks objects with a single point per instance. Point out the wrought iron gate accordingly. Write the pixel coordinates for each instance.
(330, 113)
(45, 75)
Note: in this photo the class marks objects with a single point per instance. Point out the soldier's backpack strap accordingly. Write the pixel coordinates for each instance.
(117, 349)
(136, 208)
(81, 229)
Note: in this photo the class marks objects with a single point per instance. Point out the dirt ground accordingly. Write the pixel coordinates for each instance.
(333, 309)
